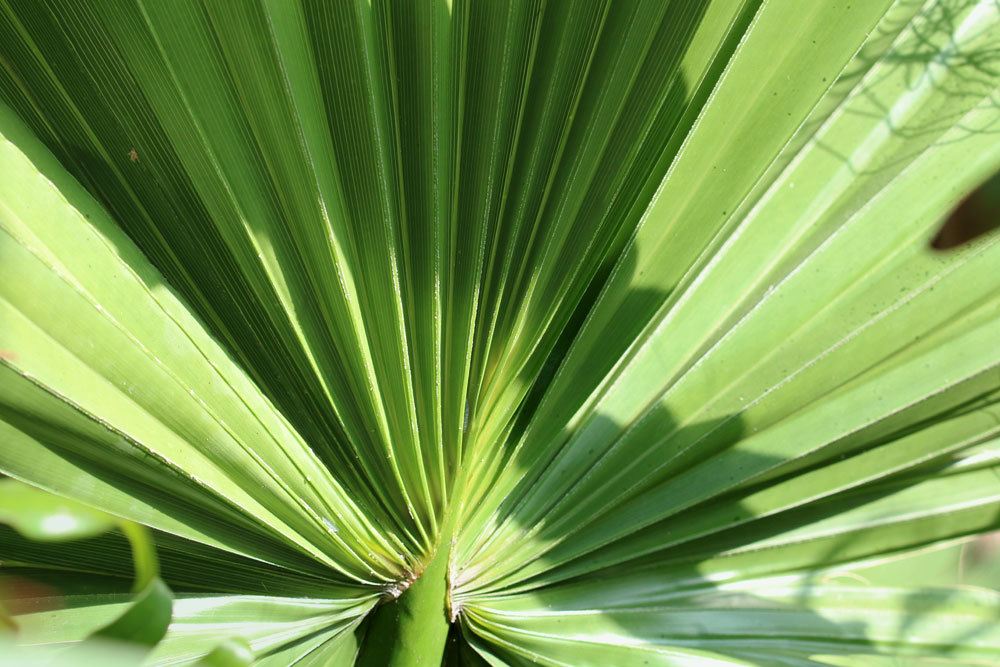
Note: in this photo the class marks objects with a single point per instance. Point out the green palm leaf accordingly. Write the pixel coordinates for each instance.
(579, 332)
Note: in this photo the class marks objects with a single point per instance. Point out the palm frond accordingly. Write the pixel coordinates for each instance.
(610, 331)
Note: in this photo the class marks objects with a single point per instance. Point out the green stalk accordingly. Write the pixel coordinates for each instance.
(412, 631)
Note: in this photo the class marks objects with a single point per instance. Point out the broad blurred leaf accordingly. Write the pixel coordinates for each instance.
(109, 654)
(39, 515)
(230, 653)
(146, 620)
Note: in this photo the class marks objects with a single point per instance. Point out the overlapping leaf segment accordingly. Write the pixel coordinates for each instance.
(625, 308)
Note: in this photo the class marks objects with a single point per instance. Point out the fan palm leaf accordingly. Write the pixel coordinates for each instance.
(588, 332)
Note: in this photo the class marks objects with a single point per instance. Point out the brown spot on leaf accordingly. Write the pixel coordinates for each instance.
(133, 155)
(976, 215)
(22, 596)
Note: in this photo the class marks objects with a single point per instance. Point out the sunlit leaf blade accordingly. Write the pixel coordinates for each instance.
(272, 626)
(122, 365)
(272, 216)
(813, 288)
(783, 621)
(819, 287)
